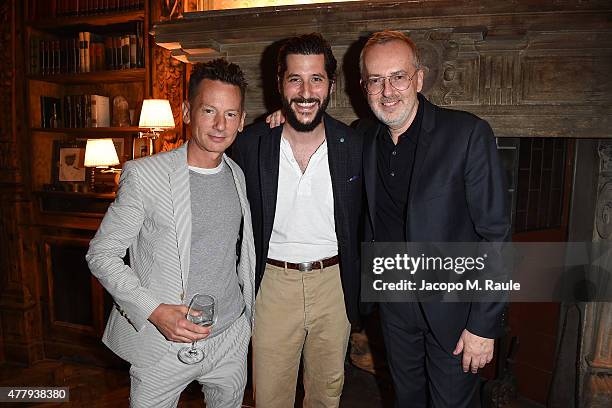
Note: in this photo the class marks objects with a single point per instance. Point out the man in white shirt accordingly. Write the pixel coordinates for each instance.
(304, 188)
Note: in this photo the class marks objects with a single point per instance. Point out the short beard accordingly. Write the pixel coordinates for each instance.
(398, 121)
(293, 120)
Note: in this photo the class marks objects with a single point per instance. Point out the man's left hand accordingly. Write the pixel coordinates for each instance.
(477, 351)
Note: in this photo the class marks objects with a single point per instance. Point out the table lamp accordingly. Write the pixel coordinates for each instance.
(101, 154)
(156, 116)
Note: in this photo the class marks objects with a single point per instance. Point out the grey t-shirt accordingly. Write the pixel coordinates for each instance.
(215, 215)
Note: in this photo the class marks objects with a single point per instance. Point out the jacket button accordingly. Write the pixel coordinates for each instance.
(341, 140)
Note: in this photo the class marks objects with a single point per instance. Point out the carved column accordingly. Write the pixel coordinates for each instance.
(168, 79)
(19, 306)
(596, 347)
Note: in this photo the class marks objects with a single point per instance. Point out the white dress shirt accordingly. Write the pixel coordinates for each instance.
(304, 228)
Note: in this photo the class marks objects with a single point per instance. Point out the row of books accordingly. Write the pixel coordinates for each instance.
(74, 111)
(42, 9)
(87, 53)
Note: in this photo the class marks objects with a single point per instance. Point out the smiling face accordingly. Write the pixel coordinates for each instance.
(394, 108)
(216, 116)
(305, 89)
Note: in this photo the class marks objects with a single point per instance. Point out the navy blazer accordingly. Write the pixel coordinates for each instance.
(457, 193)
(257, 151)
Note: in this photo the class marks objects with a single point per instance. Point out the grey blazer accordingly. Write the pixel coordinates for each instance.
(151, 216)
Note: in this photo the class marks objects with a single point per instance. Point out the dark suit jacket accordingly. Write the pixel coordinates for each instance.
(457, 193)
(257, 151)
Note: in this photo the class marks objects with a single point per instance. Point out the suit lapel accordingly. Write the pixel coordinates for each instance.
(181, 206)
(425, 138)
(337, 158)
(370, 170)
(269, 155)
(246, 267)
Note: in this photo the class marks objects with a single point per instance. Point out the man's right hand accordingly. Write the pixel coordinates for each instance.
(170, 320)
(275, 119)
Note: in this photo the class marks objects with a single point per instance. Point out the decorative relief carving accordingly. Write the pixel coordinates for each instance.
(459, 82)
(339, 98)
(451, 65)
(603, 215)
(171, 9)
(554, 79)
(604, 150)
(168, 84)
(604, 211)
(497, 73)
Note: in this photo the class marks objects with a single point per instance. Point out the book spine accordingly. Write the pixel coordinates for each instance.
(125, 51)
(67, 112)
(74, 101)
(108, 53)
(58, 56)
(141, 44)
(133, 53)
(117, 52)
(87, 47)
(52, 61)
(78, 105)
(34, 56)
(81, 51)
(87, 111)
(94, 111)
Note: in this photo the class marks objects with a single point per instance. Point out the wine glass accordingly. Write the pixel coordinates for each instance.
(201, 312)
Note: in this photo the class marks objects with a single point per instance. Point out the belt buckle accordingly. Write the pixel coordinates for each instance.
(305, 266)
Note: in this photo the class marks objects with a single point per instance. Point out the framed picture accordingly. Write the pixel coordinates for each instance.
(120, 148)
(141, 147)
(68, 163)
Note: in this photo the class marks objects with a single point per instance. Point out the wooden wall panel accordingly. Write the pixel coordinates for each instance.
(19, 314)
(566, 79)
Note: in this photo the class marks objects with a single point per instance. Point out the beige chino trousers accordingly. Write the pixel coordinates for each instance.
(299, 313)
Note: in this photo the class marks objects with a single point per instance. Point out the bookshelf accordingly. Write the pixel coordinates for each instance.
(88, 70)
(66, 212)
(127, 75)
(96, 20)
(92, 131)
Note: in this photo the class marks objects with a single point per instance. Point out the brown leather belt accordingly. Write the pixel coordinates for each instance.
(306, 266)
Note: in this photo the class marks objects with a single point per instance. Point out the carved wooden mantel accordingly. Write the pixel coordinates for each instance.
(532, 68)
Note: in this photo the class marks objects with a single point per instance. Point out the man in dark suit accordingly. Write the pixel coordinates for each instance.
(430, 175)
(304, 187)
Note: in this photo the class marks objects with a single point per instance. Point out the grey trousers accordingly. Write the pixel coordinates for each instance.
(222, 373)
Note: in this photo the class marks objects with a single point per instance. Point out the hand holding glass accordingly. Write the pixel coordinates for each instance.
(201, 312)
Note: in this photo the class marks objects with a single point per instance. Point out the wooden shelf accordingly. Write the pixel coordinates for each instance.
(93, 131)
(96, 20)
(120, 75)
(70, 194)
(73, 203)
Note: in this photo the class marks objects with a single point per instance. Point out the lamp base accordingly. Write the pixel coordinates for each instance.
(92, 180)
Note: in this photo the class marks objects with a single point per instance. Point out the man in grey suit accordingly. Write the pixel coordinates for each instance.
(183, 215)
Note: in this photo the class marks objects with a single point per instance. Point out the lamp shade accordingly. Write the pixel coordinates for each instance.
(156, 114)
(100, 153)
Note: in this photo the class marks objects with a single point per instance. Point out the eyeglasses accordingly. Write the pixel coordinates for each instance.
(399, 82)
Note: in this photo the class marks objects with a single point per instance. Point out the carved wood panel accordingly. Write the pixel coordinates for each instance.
(168, 79)
(495, 59)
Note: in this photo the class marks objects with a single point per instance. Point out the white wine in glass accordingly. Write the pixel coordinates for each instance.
(201, 312)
